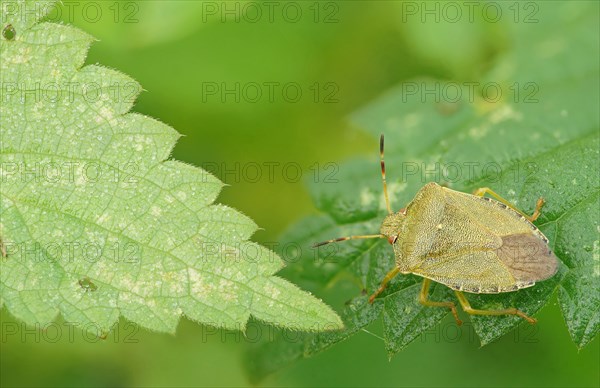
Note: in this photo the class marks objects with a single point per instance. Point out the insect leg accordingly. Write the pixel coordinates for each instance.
(390, 275)
(424, 300)
(538, 206)
(510, 311)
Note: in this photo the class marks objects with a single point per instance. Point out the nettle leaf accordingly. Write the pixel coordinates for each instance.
(546, 145)
(97, 222)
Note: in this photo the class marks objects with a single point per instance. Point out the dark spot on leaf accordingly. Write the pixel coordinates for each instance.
(87, 284)
(9, 32)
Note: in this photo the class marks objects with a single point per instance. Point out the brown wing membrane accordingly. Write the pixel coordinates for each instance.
(527, 257)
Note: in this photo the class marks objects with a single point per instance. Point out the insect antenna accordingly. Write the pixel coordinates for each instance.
(385, 190)
(387, 203)
(349, 238)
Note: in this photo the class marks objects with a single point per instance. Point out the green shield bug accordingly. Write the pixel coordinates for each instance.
(468, 242)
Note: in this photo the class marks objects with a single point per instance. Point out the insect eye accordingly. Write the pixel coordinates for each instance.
(392, 239)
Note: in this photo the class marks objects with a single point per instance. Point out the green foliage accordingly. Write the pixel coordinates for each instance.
(540, 137)
(97, 222)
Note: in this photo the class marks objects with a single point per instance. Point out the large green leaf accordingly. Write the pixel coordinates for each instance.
(97, 222)
(540, 137)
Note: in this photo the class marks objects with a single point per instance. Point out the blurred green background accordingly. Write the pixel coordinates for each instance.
(340, 55)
